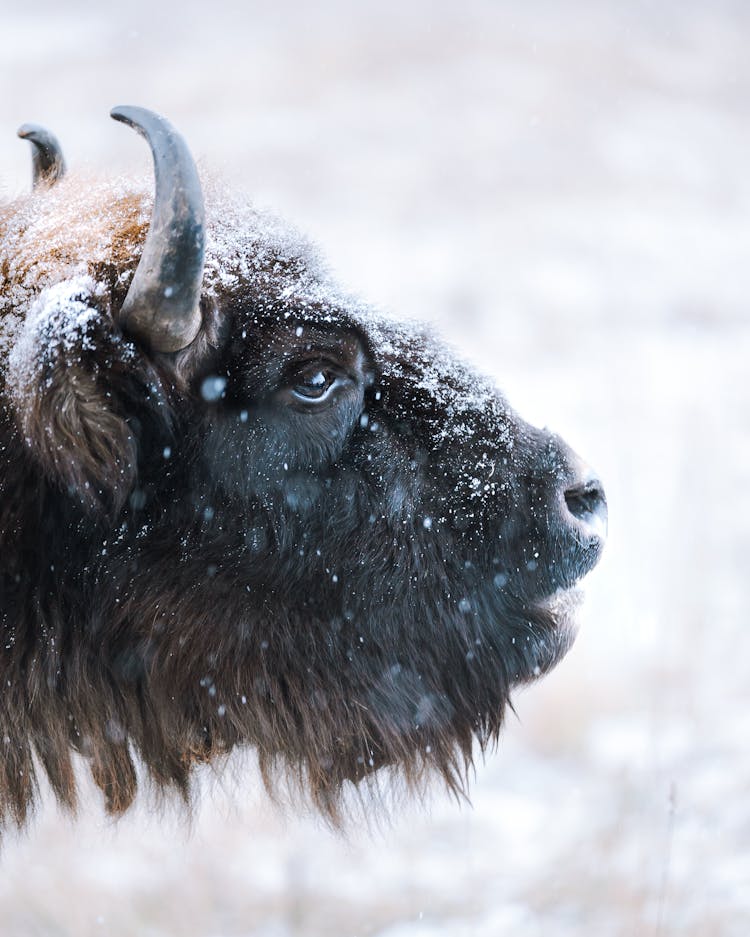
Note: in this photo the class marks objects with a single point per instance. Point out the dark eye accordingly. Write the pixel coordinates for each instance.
(314, 384)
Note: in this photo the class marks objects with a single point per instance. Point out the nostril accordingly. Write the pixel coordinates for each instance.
(587, 503)
(584, 499)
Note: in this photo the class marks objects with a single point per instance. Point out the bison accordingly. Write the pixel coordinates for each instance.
(240, 508)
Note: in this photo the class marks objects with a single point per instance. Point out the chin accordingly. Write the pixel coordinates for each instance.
(556, 618)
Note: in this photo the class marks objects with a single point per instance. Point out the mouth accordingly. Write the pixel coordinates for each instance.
(557, 615)
(562, 608)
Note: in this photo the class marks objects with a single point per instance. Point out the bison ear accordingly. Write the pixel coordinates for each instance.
(73, 378)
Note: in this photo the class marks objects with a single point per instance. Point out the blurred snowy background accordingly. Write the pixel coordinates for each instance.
(564, 187)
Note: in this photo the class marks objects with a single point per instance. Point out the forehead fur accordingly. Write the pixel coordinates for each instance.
(83, 225)
(90, 227)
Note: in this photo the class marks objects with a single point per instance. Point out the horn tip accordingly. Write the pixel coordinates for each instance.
(130, 114)
(28, 131)
(119, 112)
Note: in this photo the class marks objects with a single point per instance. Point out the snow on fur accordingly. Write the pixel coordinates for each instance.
(74, 232)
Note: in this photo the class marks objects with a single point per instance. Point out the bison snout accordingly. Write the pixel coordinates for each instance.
(587, 506)
(578, 528)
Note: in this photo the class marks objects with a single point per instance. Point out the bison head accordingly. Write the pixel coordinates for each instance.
(238, 507)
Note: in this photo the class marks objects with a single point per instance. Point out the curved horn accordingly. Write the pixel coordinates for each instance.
(163, 303)
(47, 161)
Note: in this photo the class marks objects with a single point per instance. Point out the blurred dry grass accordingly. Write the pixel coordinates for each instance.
(564, 188)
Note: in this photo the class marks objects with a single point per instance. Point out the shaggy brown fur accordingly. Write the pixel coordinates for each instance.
(196, 555)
